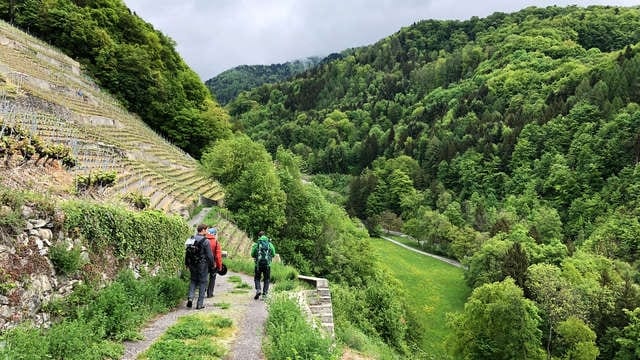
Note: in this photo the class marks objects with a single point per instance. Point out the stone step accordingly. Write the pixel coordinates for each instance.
(329, 328)
(325, 318)
(321, 308)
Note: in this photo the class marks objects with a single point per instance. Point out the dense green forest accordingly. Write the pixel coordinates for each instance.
(229, 83)
(510, 143)
(128, 57)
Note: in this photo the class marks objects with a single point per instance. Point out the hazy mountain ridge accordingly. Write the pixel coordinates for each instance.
(229, 83)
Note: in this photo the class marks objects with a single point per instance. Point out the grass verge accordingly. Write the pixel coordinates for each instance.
(195, 337)
(436, 288)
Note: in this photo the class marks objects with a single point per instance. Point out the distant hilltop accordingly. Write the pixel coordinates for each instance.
(229, 83)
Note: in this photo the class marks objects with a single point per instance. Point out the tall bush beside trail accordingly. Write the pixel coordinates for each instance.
(349, 258)
(151, 235)
(377, 310)
(23, 343)
(290, 336)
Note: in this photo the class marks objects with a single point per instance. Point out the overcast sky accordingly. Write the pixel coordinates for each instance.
(216, 35)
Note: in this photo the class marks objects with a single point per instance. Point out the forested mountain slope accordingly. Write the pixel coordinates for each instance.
(510, 143)
(229, 83)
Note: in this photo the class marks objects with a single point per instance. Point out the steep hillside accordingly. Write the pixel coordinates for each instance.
(510, 143)
(45, 92)
(130, 59)
(229, 83)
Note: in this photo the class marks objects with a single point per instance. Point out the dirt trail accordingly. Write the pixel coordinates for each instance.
(248, 315)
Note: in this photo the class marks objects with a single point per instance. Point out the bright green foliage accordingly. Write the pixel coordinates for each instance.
(349, 258)
(253, 190)
(98, 179)
(193, 327)
(95, 321)
(229, 158)
(151, 235)
(606, 288)
(434, 230)
(24, 343)
(17, 141)
(290, 336)
(257, 199)
(66, 261)
(629, 345)
(617, 237)
(497, 323)
(137, 200)
(72, 339)
(486, 265)
(303, 239)
(377, 311)
(576, 341)
(386, 312)
(555, 297)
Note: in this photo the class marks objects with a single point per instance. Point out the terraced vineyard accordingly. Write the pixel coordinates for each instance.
(45, 92)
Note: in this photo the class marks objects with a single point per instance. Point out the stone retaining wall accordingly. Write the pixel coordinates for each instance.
(318, 302)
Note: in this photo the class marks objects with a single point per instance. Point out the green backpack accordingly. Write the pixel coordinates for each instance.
(264, 253)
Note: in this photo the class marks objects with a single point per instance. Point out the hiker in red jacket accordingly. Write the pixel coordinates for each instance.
(217, 256)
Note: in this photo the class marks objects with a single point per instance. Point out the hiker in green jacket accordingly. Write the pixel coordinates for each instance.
(262, 252)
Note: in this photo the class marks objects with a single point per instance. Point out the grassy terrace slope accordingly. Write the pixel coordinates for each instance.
(435, 288)
(45, 91)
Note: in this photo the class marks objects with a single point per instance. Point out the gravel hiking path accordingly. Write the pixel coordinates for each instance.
(248, 315)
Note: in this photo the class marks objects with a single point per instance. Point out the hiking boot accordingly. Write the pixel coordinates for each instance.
(257, 295)
(189, 303)
(264, 296)
(199, 307)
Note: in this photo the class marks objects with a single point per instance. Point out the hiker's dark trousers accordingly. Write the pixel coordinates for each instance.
(199, 277)
(212, 283)
(265, 273)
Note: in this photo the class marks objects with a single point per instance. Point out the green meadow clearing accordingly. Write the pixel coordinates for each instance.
(434, 288)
